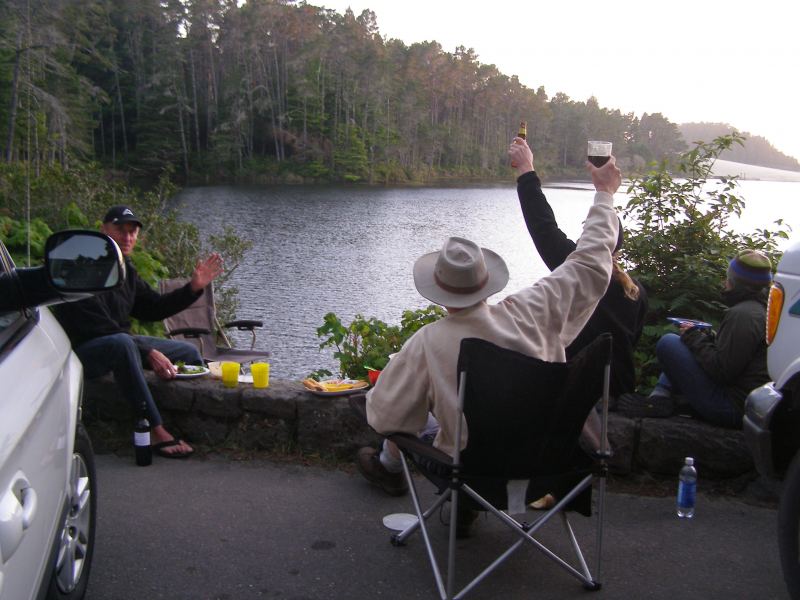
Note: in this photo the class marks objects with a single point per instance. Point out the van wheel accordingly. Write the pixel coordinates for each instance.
(789, 528)
(76, 541)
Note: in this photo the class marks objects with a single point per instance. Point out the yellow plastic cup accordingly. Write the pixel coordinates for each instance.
(260, 373)
(230, 374)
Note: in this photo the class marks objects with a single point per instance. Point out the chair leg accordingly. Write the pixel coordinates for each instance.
(601, 511)
(451, 550)
(588, 581)
(525, 534)
(421, 523)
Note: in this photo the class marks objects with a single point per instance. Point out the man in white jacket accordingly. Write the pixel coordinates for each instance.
(416, 392)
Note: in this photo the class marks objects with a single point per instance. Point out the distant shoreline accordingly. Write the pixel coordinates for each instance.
(727, 168)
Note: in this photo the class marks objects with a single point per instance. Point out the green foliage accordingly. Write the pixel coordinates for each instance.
(232, 249)
(678, 241)
(74, 217)
(15, 236)
(369, 342)
(152, 271)
(350, 157)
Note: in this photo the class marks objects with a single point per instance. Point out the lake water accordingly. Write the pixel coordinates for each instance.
(350, 250)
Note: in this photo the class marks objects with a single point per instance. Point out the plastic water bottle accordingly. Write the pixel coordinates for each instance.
(141, 441)
(687, 489)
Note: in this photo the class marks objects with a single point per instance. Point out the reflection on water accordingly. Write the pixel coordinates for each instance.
(351, 250)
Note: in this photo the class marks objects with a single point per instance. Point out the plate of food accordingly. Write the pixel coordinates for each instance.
(334, 387)
(692, 322)
(188, 371)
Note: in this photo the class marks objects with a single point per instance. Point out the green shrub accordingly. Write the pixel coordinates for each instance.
(367, 343)
(678, 241)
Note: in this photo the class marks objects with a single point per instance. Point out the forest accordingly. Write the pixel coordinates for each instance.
(276, 90)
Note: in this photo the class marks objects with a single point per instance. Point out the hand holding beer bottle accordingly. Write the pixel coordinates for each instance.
(520, 154)
(523, 133)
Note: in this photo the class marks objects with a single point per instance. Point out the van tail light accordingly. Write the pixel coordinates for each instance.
(774, 308)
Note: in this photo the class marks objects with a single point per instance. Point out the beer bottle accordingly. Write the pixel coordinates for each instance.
(523, 133)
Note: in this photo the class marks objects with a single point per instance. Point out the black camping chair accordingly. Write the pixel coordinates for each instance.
(524, 418)
(198, 324)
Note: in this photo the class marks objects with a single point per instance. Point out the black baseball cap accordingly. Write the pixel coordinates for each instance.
(121, 214)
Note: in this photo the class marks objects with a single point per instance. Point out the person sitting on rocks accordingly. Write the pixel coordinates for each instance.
(540, 321)
(99, 329)
(715, 372)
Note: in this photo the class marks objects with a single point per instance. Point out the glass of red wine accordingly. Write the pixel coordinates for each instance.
(599, 152)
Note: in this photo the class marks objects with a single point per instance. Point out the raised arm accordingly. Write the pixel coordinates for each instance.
(552, 244)
(566, 298)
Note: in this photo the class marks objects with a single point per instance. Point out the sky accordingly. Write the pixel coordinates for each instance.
(700, 60)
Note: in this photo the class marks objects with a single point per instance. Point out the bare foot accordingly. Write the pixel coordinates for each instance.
(159, 435)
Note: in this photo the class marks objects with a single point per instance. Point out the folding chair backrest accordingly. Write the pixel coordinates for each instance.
(508, 405)
(582, 390)
(201, 314)
(524, 415)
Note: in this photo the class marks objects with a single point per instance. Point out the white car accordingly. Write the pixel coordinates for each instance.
(47, 478)
(772, 412)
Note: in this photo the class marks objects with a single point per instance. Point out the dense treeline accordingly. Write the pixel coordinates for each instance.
(755, 151)
(276, 89)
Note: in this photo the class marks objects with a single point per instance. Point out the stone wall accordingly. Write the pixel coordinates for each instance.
(287, 417)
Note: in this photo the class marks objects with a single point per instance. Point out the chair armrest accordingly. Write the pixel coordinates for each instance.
(244, 324)
(405, 441)
(190, 332)
(411, 443)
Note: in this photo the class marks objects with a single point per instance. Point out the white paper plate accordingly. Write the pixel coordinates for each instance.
(399, 521)
(192, 375)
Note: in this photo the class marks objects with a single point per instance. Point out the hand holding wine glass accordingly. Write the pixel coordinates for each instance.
(607, 178)
(598, 152)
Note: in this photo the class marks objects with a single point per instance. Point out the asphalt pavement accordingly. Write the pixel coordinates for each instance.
(217, 529)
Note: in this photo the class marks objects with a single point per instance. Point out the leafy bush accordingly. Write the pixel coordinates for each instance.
(15, 236)
(369, 342)
(678, 241)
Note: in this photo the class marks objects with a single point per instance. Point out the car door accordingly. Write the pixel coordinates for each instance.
(35, 443)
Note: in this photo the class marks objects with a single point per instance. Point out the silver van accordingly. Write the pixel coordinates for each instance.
(772, 412)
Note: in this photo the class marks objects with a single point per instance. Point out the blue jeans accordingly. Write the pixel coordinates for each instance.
(682, 374)
(120, 354)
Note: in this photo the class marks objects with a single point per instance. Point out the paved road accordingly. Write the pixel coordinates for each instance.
(215, 529)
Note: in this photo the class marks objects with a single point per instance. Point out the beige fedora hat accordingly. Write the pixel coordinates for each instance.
(460, 274)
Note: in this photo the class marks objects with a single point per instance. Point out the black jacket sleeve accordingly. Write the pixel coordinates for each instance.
(552, 244)
(149, 305)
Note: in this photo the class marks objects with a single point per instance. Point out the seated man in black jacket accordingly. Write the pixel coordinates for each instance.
(99, 329)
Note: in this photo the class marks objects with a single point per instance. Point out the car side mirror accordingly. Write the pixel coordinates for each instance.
(77, 264)
(82, 262)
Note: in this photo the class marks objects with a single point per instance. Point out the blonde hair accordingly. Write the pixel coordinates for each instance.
(620, 276)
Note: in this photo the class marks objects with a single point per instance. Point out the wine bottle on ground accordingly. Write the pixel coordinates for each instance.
(141, 440)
